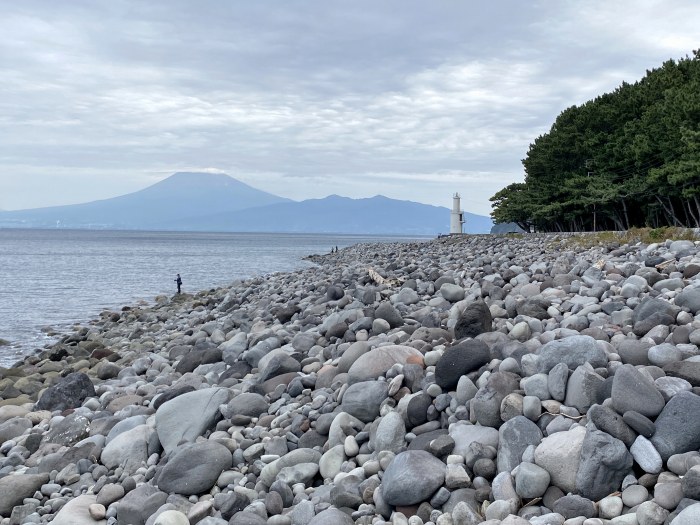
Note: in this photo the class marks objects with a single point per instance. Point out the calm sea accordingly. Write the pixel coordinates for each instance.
(56, 278)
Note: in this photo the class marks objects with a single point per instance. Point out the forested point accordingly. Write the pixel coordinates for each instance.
(630, 158)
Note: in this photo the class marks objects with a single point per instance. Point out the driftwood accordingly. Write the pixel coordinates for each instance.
(382, 280)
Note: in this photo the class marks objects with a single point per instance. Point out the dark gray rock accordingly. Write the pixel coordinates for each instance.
(486, 404)
(193, 469)
(417, 409)
(534, 307)
(139, 504)
(69, 392)
(334, 293)
(605, 461)
(557, 379)
(651, 306)
(474, 320)
(196, 357)
(678, 426)
(514, 436)
(688, 370)
(69, 430)
(584, 389)
(246, 404)
(170, 393)
(346, 492)
(389, 313)
(279, 364)
(631, 390)
(233, 503)
(634, 351)
(459, 360)
(573, 506)
(573, 351)
(399, 485)
(642, 425)
(609, 421)
(363, 399)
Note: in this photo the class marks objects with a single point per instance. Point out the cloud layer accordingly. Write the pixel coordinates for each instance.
(409, 99)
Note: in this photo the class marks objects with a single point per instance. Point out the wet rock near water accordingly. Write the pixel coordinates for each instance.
(465, 380)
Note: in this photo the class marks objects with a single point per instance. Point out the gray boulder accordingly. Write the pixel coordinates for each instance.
(474, 320)
(390, 433)
(631, 390)
(678, 426)
(560, 455)
(399, 485)
(128, 450)
(376, 362)
(688, 516)
(573, 506)
(362, 400)
(16, 426)
(607, 420)
(573, 351)
(605, 461)
(486, 404)
(15, 487)
(459, 360)
(246, 404)
(139, 504)
(514, 436)
(583, 388)
(688, 370)
(69, 392)
(464, 434)
(452, 292)
(557, 378)
(188, 416)
(531, 481)
(279, 363)
(689, 298)
(331, 516)
(389, 313)
(193, 469)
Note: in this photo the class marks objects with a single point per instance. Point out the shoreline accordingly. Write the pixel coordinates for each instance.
(306, 396)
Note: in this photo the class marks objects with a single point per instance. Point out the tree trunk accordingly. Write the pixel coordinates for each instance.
(669, 211)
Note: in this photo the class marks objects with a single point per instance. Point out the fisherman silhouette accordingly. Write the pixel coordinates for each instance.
(178, 281)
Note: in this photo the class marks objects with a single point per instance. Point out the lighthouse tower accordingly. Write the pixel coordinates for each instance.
(456, 217)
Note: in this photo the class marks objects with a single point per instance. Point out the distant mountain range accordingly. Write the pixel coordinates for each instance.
(218, 202)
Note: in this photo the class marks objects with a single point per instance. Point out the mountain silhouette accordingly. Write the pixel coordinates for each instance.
(335, 214)
(217, 202)
(179, 196)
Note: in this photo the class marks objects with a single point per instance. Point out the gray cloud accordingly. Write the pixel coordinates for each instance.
(410, 99)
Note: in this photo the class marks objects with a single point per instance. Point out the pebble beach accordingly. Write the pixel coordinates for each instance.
(466, 380)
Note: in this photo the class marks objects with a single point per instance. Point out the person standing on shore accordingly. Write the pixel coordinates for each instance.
(178, 281)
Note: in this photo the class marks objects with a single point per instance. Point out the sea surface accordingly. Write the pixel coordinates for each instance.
(51, 280)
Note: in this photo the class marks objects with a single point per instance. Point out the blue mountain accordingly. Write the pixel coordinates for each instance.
(217, 202)
(179, 196)
(335, 214)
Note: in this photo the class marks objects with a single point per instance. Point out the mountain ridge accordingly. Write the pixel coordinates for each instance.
(193, 201)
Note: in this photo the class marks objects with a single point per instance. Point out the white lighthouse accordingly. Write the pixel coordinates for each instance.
(456, 217)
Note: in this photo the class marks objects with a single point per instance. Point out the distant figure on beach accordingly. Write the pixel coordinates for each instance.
(336, 249)
(178, 281)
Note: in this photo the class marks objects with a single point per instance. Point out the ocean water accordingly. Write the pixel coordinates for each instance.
(52, 279)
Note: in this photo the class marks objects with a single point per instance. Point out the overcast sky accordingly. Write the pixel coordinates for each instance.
(410, 99)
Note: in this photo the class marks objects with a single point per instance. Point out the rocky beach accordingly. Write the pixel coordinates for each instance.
(504, 379)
